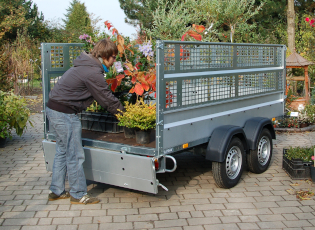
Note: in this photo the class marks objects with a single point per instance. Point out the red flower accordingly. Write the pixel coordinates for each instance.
(307, 19)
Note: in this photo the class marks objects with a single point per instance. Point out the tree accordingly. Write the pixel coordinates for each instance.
(291, 25)
(79, 21)
(12, 17)
(69, 11)
(169, 21)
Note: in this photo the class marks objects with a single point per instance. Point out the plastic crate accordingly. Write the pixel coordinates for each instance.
(101, 122)
(297, 169)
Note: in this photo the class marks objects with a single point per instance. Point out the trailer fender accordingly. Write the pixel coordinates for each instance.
(220, 140)
(253, 127)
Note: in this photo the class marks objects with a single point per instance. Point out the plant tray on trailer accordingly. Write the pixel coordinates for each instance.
(296, 168)
(101, 122)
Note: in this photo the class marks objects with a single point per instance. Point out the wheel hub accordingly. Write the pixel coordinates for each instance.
(263, 150)
(233, 162)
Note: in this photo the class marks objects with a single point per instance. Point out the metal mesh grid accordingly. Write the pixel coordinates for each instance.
(56, 57)
(74, 52)
(171, 94)
(169, 58)
(256, 83)
(189, 92)
(202, 90)
(255, 56)
(205, 57)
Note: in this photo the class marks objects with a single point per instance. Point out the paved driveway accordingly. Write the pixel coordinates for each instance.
(259, 201)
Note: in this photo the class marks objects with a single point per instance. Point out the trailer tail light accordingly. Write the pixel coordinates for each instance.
(156, 163)
(185, 146)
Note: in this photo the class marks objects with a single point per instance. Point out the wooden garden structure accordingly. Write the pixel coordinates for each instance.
(297, 61)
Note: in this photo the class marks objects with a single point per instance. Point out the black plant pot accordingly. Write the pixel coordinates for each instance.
(129, 132)
(313, 173)
(143, 136)
(2, 142)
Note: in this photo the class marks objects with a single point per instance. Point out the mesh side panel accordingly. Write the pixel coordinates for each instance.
(192, 57)
(216, 88)
(56, 57)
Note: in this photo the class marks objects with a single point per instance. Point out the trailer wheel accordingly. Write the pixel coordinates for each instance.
(228, 173)
(258, 160)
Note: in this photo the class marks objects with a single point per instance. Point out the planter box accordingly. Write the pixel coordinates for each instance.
(297, 169)
(101, 122)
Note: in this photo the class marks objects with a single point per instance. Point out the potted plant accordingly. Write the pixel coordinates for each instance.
(141, 117)
(297, 161)
(14, 114)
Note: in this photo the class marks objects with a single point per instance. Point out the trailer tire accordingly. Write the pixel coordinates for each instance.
(258, 160)
(228, 173)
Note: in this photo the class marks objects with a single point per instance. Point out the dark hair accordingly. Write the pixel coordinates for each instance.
(104, 48)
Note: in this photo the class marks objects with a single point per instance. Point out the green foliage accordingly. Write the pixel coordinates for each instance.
(79, 21)
(300, 153)
(169, 20)
(140, 115)
(14, 114)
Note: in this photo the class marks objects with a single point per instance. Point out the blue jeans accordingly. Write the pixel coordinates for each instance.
(69, 154)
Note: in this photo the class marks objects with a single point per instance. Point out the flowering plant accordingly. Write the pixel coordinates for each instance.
(88, 42)
(134, 67)
(139, 115)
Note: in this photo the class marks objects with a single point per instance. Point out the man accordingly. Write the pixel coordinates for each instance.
(75, 91)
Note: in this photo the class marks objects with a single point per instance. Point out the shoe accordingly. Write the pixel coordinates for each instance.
(52, 196)
(84, 200)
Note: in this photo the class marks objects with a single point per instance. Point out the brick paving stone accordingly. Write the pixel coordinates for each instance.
(203, 221)
(82, 220)
(168, 216)
(184, 215)
(143, 225)
(297, 223)
(102, 219)
(170, 223)
(145, 217)
(111, 226)
(271, 225)
(20, 221)
(67, 227)
(88, 227)
(51, 227)
(154, 210)
(45, 221)
(222, 227)
(122, 211)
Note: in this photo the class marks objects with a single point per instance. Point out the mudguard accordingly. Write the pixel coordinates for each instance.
(220, 140)
(253, 128)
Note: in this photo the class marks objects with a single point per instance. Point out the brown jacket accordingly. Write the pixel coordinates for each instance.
(81, 85)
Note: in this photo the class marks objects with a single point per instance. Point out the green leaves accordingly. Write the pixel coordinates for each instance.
(13, 114)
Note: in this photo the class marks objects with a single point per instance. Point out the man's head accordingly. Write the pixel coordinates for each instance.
(107, 50)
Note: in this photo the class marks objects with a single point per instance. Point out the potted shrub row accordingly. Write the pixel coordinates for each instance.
(298, 162)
